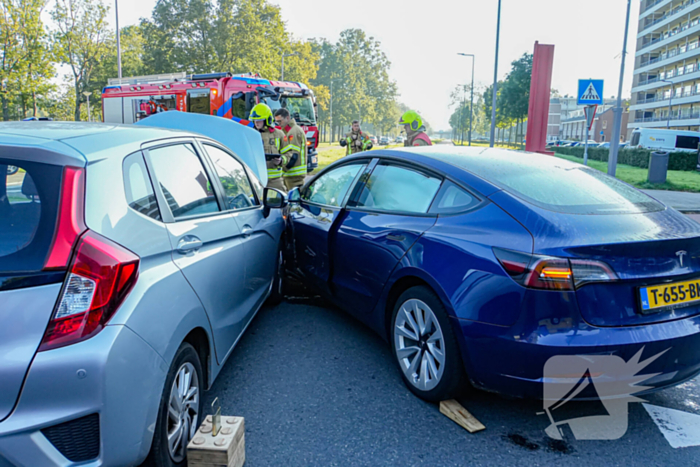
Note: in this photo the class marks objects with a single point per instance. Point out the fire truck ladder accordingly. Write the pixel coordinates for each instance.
(148, 79)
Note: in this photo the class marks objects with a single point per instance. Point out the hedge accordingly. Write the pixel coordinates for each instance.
(687, 161)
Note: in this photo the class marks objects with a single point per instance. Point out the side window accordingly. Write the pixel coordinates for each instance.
(185, 184)
(138, 188)
(330, 189)
(399, 189)
(237, 188)
(451, 199)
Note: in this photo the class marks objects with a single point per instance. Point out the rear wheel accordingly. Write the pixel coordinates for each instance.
(180, 410)
(425, 346)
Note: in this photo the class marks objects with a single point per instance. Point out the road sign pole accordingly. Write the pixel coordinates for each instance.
(589, 112)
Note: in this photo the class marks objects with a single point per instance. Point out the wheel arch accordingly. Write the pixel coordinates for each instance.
(199, 339)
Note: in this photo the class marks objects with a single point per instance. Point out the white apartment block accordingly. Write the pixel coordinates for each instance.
(666, 70)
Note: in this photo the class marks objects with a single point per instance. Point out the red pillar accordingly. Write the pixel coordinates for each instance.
(540, 89)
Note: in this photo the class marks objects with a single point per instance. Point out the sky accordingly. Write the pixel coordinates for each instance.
(422, 39)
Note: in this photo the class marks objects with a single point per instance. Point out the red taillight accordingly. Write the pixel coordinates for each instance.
(70, 222)
(99, 278)
(551, 273)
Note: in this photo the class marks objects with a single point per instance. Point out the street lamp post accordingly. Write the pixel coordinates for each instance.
(471, 101)
(119, 48)
(495, 78)
(617, 122)
(331, 138)
(88, 94)
(670, 102)
(286, 55)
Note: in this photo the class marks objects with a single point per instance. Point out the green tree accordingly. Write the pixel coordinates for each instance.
(80, 41)
(25, 63)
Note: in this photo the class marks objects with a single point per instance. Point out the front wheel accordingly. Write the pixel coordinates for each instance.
(425, 346)
(180, 410)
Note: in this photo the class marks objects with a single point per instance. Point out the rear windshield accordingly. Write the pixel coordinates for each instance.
(557, 185)
(29, 195)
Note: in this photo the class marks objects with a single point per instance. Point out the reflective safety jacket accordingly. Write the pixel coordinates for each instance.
(293, 143)
(419, 138)
(272, 143)
(357, 142)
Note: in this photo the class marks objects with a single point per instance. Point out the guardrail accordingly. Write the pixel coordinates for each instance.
(651, 5)
(667, 14)
(663, 119)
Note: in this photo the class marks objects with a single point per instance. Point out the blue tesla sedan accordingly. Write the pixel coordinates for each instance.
(480, 264)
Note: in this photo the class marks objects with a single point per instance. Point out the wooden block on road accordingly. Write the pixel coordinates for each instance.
(226, 449)
(461, 416)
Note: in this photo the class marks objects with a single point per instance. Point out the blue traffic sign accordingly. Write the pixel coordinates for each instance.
(590, 91)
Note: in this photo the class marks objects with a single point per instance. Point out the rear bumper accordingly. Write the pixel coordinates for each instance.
(511, 361)
(114, 374)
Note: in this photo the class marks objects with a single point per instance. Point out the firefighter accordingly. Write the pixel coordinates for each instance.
(356, 141)
(293, 150)
(415, 131)
(272, 142)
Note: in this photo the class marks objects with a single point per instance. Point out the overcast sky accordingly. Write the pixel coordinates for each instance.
(422, 39)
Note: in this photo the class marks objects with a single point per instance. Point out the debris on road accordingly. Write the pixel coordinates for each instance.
(461, 416)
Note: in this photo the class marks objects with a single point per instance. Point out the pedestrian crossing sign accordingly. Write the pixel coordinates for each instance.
(590, 91)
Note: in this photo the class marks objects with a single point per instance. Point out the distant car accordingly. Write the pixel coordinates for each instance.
(399, 139)
(384, 140)
(604, 145)
(38, 119)
(373, 139)
(132, 259)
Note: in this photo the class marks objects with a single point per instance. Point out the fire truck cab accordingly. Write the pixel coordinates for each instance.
(129, 100)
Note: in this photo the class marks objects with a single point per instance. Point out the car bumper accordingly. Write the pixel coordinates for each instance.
(511, 360)
(115, 375)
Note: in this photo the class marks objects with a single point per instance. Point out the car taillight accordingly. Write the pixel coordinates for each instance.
(551, 273)
(100, 276)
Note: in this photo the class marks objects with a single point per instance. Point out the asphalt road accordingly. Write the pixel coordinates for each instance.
(316, 387)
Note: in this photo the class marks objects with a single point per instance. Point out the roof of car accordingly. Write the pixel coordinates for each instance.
(80, 140)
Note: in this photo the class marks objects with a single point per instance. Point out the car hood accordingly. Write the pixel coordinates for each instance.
(245, 142)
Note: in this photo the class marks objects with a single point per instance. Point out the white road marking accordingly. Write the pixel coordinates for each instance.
(681, 429)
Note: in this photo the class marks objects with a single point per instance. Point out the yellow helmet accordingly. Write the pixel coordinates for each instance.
(262, 112)
(412, 119)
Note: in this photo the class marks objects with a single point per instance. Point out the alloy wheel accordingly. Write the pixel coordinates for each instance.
(419, 345)
(183, 411)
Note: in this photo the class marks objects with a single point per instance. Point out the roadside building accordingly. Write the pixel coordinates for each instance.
(666, 67)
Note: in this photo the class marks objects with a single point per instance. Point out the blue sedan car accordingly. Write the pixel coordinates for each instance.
(481, 264)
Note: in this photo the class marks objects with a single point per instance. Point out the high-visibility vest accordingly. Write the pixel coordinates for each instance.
(295, 141)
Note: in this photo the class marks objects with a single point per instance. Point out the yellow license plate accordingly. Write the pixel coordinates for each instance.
(675, 293)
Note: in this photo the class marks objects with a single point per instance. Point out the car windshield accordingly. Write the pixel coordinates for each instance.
(555, 184)
(301, 108)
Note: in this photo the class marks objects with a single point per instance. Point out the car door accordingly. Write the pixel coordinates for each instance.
(314, 218)
(390, 212)
(259, 234)
(205, 239)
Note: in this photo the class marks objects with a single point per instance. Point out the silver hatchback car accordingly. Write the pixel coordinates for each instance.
(132, 259)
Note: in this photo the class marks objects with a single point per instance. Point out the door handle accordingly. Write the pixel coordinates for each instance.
(396, 238)
(246, 231)
(188, 243)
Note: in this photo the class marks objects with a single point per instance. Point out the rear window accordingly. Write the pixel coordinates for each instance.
(687, 142)
(555, 184)
(29, 194)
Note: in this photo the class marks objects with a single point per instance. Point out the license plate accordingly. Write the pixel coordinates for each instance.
(663, 295)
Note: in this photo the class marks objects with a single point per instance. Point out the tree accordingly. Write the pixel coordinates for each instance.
(80, 40)
(25, 66)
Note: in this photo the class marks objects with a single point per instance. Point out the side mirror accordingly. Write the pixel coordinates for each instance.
(294, 195)
(274, 198)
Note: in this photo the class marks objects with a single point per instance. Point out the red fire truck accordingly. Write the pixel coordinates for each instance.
(222, 94)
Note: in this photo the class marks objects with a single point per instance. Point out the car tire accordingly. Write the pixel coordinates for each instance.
(429, 360)
(277, 293)
(185, 364)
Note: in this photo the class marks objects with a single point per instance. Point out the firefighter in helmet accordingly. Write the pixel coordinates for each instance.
(293, 150)
(356, 141)
(272, 138)
(415, 131)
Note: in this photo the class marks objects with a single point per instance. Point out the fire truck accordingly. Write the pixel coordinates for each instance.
(226, 95)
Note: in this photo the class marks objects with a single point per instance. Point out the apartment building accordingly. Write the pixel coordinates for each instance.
(666, 86)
